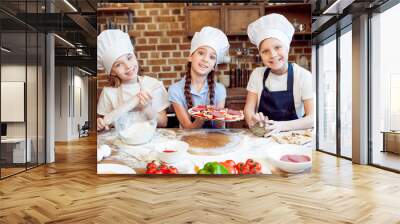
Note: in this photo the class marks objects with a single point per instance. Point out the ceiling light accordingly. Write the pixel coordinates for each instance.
(5, 50)
(70, 5)
(65, 41)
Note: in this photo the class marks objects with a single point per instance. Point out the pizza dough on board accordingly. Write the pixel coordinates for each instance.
(212, 142)
(300, 137)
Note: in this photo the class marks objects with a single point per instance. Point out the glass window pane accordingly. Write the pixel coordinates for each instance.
(327, 96)
(23, 84)
(13, 85)
(346, 94)
(385, 89)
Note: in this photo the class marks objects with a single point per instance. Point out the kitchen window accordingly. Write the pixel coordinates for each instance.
(334, 58)
(385, 89)
(346, 92)
(22, 90)
(327, 96)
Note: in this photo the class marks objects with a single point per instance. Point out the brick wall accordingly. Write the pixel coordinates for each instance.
(162, 46)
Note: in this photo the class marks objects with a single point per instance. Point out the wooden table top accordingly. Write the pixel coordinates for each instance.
(247, 146)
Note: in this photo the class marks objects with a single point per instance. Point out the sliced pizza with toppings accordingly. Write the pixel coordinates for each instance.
(209, 112)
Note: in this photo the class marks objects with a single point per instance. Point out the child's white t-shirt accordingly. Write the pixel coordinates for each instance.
(302, 85)
(110, 100)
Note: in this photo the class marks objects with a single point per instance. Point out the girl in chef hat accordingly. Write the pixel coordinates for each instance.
(208, 49)
(145, 97)
(280, 94)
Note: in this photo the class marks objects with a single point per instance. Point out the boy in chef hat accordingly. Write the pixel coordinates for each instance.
(145, 97)
(208, 49)
(280, 94)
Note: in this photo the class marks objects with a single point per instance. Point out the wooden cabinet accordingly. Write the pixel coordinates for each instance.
(391, 141)
(236, 99)
(238, 18)
(232, 19)
(199, 16)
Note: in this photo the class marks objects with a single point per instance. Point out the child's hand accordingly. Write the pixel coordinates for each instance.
(273, 127)
(101, 125)
(144, 99)
(260, 118)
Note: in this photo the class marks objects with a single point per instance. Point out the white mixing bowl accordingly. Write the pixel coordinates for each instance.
(138, 133)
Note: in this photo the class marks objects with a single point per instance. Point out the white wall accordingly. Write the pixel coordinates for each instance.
(80, 105)
(61, 104)
(71, 93)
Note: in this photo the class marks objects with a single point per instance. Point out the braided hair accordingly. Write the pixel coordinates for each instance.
(210, 81)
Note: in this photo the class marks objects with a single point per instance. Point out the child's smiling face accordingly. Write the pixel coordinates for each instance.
(203, 60)
(274, 55)
(125, 67)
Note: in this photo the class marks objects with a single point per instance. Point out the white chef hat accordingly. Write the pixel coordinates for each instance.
(111, 44)
(271, 26)
(211, 37)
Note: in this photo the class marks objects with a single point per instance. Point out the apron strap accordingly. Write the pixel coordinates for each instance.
(289, 77)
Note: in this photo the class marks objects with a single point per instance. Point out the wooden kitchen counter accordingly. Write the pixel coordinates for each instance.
(242, 145)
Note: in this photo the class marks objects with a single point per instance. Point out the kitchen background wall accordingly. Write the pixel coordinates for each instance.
(162, 44)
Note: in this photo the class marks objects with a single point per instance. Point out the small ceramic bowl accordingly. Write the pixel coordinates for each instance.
(275, 157)
(172, 151)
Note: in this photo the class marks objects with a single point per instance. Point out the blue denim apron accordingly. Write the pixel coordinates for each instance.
(278, 105)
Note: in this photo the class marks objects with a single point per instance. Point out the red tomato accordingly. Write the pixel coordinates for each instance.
(257, 167)
(150, 171)
(246, 169)
(173, 170)
(158, 172)
(239, 167)
(250, 162)
(151, 165)
(164, 169)
(230, 163)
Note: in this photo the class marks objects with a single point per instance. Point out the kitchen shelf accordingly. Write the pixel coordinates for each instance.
(232, 19)
(114, 10)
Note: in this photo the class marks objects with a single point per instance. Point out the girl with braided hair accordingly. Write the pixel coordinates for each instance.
(198, 87)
